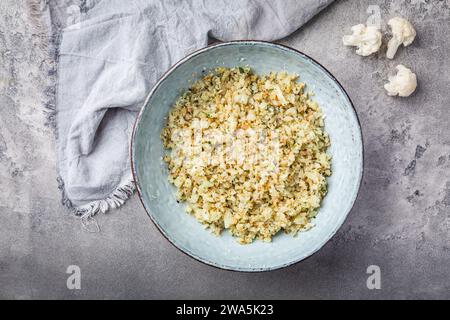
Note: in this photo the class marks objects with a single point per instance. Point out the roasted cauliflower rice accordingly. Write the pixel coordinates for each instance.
(247, 153)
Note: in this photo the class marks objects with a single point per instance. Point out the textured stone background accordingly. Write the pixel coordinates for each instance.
(400, 221)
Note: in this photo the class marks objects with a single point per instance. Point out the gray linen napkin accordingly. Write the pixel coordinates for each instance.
(110, 52)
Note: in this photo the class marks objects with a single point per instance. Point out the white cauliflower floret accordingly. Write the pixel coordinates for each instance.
(402, 33)
(404, 83)
(367, 39)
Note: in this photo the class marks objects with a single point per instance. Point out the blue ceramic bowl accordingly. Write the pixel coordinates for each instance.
(158, 195)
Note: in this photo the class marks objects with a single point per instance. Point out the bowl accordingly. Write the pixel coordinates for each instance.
(183, 230)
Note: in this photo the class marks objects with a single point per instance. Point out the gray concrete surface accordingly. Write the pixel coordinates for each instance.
(400, 221)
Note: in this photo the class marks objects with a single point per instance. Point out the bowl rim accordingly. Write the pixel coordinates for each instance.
(139, 191)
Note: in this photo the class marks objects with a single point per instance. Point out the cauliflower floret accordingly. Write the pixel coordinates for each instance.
(404, 83)
(367, 39)
(402, 33)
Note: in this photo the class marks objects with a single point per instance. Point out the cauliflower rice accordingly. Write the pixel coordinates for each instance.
(247, 153)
